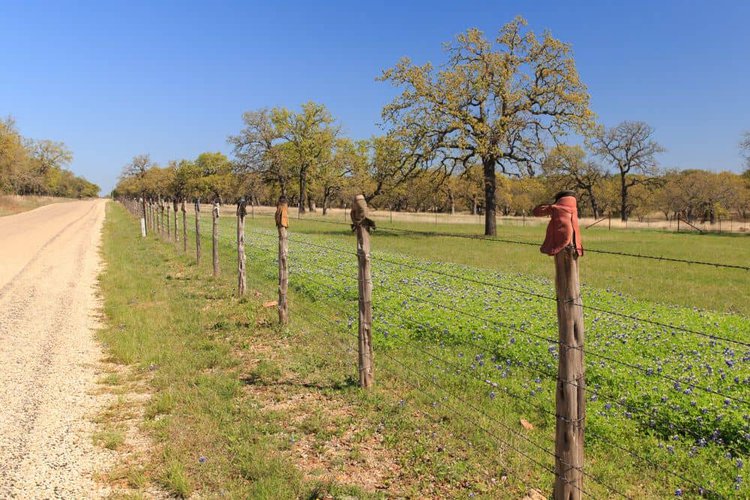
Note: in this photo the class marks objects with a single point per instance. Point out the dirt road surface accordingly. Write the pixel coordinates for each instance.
(48, 356)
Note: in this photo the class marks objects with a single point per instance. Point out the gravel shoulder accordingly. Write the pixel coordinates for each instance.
(49, 262)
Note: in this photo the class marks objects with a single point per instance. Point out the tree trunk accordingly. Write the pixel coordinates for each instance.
(302, 191)
(490, 184)
(594, 204)
(325, 202)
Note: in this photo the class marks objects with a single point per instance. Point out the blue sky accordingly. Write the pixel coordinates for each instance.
(115, 79)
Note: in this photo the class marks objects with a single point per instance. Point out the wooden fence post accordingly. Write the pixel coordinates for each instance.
(362, 226)
(161, 210)
(570, 397)
(282, 223)
(184, 226)
(169, 226)
(142, 204)
(215, 236)
(197, 231)
(241, 280)
(174, 207)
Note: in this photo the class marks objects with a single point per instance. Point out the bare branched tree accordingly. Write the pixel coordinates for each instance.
(630, 147)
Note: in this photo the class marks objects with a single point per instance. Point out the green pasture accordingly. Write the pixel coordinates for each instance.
(458, 365)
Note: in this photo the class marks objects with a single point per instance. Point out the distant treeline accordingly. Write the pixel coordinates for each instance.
(691, 194)
(37, 167)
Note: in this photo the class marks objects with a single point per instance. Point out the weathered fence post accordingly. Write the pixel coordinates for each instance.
(161, 222)
(149, 217)
(215, 236)
(241, 280)
(564, 242)
(570, 400)
(174, 207)
(362, 226)
(143, 217)
(184, 226)
(282, 223)
(169, 224)
(198, 231)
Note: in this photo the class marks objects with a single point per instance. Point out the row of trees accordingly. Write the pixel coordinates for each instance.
(484, 132)
(37, 167)
(691, 194)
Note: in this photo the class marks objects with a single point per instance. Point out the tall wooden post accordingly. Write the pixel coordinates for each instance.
(241, 279)
(184, 226)
(198, 231)
(169, 226)
(215, 236)
(174, 207)
(282, 223)
(362, 226)
(143, 215)
(570, 398)
(163, 213)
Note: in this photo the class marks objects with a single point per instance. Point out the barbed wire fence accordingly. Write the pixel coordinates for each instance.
(406, 360)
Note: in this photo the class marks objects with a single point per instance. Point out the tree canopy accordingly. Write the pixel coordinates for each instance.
(38, 167)
(498, 102)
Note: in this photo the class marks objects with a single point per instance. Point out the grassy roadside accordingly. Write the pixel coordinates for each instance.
(243, 409)
(14, 204)
(179, 329)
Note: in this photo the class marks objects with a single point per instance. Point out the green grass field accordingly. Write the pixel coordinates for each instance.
(458, 364)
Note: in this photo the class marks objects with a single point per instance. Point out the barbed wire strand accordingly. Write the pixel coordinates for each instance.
(530, 243)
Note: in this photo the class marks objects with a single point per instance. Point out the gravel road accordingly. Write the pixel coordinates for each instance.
(49, 359)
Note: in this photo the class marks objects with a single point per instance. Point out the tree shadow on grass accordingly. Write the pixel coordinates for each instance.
(341, 385)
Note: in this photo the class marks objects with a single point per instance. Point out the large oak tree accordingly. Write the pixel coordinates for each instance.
(497, 101)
